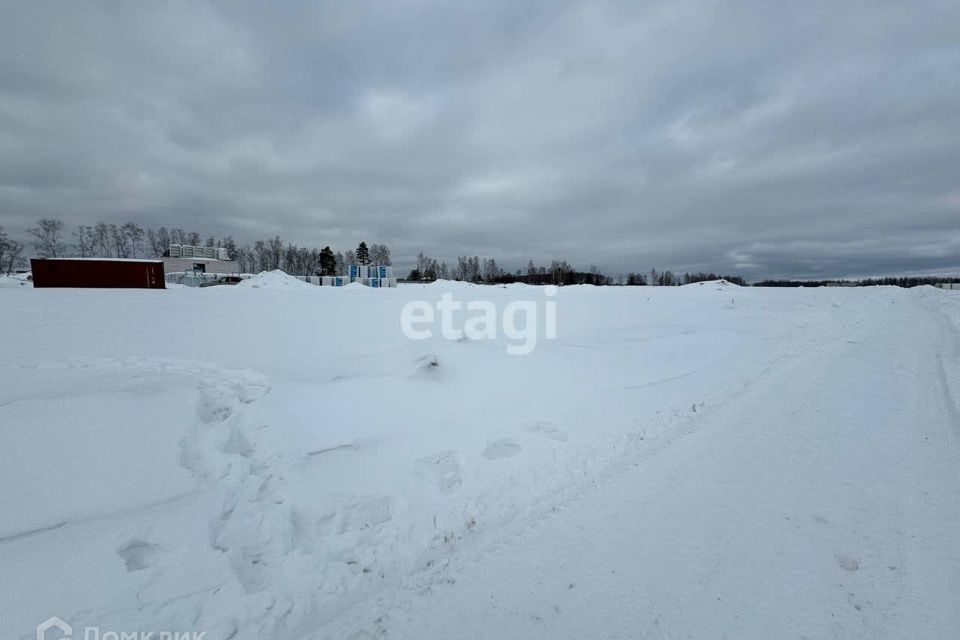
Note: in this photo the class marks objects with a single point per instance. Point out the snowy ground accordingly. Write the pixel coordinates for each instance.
(279, 461)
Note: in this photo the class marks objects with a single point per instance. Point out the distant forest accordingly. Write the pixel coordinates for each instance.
(51, 239)
(904, 281)
(559, 272)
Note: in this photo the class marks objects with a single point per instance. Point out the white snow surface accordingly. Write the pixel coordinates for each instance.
(281, 462)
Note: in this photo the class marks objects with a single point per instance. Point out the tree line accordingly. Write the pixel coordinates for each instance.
(477, 270)
(559, 272)
(906, 282)
(130, 240)
(51, 239)
(273, 254)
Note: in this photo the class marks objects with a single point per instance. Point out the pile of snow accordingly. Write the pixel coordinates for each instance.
(273, 280)
(286, 465)
(720, 284)
(450, 285)
(18, 280)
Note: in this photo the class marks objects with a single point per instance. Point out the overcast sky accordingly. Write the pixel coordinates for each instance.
(799, 139)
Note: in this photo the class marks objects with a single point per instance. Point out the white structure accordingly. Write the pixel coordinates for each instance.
(189, 251)
(372, 276)
(342, 281)
(197, 263)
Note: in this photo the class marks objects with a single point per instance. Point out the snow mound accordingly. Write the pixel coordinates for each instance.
(450, 284)
(273, 280)
(721, 283)
(19, 280)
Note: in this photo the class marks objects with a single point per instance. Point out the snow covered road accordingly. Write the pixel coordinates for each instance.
(699, 462)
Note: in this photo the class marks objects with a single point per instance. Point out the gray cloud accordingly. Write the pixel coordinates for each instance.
(819, 139)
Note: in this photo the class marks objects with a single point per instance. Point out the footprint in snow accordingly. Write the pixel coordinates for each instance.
(548, 430)
(442, 469)
(847, 563)
(503, 448)
(139, 554)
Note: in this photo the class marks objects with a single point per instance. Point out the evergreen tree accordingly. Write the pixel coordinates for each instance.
(363, 254)
(328, 262)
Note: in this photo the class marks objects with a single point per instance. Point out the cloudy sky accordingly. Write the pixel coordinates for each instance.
(798, 139)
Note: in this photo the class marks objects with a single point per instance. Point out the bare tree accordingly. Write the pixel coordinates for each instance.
(4, 248)
(245, 259)
(380, 254)
(84, 245)
(291, 260)
(10, 252)
(119, 241)
(101, 240)
(667, 279)
(461, 269)
(490, 270)
(274, 253)
(134, 238)
(427, 268)
(231, 246)
(48, 238)
(158, 241)
(467, 269)
(261, 256)
(423, 262)
(14, 256)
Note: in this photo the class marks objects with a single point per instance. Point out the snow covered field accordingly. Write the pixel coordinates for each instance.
(279, 461)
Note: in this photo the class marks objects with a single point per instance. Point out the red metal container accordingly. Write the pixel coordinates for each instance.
(97, 272)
